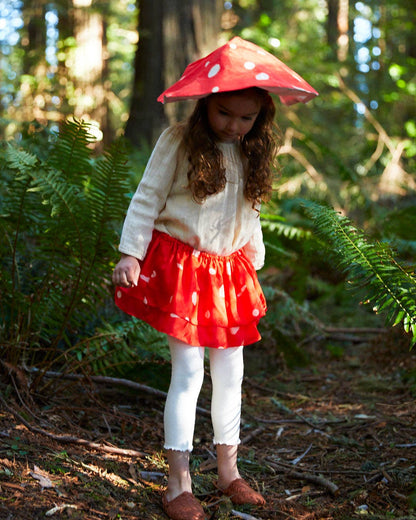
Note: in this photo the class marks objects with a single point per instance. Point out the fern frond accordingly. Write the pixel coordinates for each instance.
(70, 153)
(278, 225)
(116, 347)
(105, 192)
(390, 287)
(19, 160)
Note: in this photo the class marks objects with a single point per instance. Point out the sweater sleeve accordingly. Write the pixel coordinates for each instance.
(150, 196)
(254, 249)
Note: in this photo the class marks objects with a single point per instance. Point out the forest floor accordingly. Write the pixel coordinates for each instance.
(334, 439)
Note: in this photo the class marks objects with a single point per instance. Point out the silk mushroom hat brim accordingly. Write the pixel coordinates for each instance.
(237, 65)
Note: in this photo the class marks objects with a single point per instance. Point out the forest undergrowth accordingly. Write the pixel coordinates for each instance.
(332, 439)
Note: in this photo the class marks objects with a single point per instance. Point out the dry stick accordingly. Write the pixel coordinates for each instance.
(243, 516)
(317, 426)
(358, 330)
(71, 439)
(343, 334)
(253, 434)
(316, 479)
(113, 381)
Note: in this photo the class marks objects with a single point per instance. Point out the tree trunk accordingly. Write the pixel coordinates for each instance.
(337, 28)
(146, 115)
(332, 25)
(89, 68)
(34, 41)
(343, 38)
(172, 33)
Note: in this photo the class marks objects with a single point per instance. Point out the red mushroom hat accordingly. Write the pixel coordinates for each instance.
(237, 65)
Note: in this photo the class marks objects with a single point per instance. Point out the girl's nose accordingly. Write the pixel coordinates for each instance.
(232, 125)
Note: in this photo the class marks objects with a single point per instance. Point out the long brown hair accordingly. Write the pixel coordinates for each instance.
(259, 147)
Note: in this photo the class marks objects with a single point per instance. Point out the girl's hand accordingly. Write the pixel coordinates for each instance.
(126, 272)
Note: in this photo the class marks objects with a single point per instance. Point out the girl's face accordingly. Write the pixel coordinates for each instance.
(232, 115)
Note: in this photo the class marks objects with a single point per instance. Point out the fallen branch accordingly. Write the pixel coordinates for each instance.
(112, 381)
(316, 479)
(298, 459)
(253, 434)
(352, 335)
(317, 426)
(243, 516)
(357, 330)
(71, 439)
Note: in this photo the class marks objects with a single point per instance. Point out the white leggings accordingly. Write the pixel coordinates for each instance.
(227, 368)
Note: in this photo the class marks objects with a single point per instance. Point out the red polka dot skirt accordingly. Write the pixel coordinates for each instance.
(199, 298)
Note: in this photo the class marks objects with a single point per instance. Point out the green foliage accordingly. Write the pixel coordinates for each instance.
(286, 324)
(390, 287)
(61, 212)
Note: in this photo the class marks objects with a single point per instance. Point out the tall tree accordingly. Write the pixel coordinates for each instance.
(89, 66)
(337, 25)
(34, 40)
(172, 33)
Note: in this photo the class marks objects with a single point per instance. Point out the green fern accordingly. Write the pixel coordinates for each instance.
(118, 347)
(279, 226)
(60, 217)
(390, 287)
(61, 213)
(275, 228)
(71, 153)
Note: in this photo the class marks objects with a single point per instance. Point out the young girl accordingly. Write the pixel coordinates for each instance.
(191, 245)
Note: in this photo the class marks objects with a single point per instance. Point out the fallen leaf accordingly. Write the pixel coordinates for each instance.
(44, 481)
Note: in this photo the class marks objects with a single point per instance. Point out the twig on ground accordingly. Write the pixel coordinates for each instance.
(70, 438)
(296, 421)
(353, 335)
(253, 434)
(356, 330)
(112, 381)
(244, 516)
(316, 479)
(291, 412)
(298, 459)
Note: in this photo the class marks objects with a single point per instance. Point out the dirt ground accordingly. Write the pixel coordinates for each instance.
(334, 439)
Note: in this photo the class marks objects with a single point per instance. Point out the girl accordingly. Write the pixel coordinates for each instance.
(191, 245)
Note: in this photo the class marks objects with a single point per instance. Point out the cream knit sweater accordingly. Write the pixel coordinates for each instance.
(222, 224)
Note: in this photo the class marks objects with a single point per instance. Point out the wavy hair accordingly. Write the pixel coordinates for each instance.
(259, 148)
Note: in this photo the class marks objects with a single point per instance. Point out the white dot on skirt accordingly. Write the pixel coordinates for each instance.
(256, 312)
(194, 298)
(207, 315)
(145, 300)
(212, 270)
(119, 294)
(234, 330)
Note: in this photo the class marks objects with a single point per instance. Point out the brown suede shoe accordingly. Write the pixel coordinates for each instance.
(183, 507)
(241, 493)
